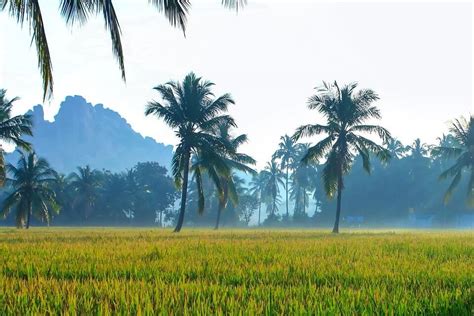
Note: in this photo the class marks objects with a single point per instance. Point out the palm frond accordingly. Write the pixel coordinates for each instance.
(452, 186)
(175, 11)
(30, 12)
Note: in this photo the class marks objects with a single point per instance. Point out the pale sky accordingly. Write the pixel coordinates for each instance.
(269, 56)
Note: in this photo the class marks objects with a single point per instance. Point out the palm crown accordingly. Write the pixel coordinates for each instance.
(346, 113)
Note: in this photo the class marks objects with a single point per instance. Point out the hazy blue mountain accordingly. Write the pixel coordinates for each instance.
(82, 133)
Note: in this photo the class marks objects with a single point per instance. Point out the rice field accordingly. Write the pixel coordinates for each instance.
(200, 272)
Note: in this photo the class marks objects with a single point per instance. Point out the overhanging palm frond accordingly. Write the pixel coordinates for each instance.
(175, 11)
(234, 4)
(30, 12)
(75, 10)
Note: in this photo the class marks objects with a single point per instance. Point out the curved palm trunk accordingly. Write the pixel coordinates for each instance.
(286, 187)
(219, 211)
(338, 210)
(184, 192)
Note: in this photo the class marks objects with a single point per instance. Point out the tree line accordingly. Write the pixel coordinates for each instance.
(208, 171)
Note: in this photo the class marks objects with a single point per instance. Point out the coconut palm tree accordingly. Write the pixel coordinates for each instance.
(463, 133)
(191, 109)
(286, 153)
(12, 129)
(274, 178)
(346, 113)
(224, 176)
(32, 195)
(418, 149)
(78, 12)
(257, 189)
(396, 148)
(85, 183)
(303, 176)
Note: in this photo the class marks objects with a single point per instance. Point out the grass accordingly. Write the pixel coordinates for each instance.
(145, 271)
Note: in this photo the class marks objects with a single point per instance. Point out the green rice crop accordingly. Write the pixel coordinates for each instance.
(198, 272)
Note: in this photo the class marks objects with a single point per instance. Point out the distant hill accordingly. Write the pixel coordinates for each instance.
(82, 133)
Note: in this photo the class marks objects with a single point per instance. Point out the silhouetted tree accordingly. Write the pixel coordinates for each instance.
(286, 152)
(257, 188)
(274, 178)
(86, 184)
(192, 111)
(31, 194)
(345, 112)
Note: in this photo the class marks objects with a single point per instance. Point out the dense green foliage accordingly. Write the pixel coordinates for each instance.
(108, 271)
(143, 195)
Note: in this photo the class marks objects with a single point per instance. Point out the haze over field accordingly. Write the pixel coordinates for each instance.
(269, 57)
(208, 181)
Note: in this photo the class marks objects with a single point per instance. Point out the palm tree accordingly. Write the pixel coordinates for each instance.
(78, 12)
(223, 176)
(463, 133)
(257, 189)
(274, 178)
(396, 148)
(345, 112)
(418, 150)
(286, 153)
(302, 180)
(192, 111)
(60, 187)
(31, 194)
(11, 129)
(85, 183)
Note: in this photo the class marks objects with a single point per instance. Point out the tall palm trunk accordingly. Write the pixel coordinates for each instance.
(259, 211)
(304, 201)
(274, 206)
(28, 215)
(219, 211)
(286, 187)
(184, 192)
(339, 197)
